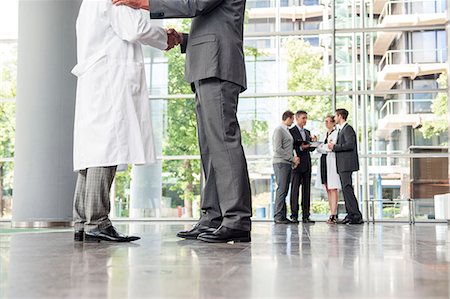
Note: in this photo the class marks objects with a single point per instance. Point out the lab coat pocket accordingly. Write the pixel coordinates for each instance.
(83, 67)
(126, 78)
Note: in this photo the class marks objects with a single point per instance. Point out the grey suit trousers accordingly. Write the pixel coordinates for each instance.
(283, 178)
(91, 201)
(226, 196)
(351, 203)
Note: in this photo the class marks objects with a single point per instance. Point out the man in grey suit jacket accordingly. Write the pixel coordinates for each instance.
(347, 162)
(215, 68)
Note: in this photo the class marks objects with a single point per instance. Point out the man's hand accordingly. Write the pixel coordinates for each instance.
(314, 138)
(141, 4)
(296, 162)
(330, 145)
(173, 38)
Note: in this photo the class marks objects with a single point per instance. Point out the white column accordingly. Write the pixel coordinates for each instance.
(44, 180)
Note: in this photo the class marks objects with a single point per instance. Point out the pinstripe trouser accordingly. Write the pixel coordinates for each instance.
(226, 196)
(91, 200)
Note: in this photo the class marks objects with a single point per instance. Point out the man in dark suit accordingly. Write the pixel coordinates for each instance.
(215, 67)
(301, 175)
(347, 162)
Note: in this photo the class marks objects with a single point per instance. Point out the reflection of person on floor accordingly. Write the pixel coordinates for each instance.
(217, 270)
(327, 175)
(347, 162)
(112, 116)
(283, 161)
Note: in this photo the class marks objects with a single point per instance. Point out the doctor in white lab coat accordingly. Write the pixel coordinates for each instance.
(327, 175)
(112, 116)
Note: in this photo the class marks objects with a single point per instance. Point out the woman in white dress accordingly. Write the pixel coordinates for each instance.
(327, 175)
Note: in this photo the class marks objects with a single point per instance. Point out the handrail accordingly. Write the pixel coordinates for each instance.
(389, 105)
(272, 3)
(387, 9)
(388, 57)
(2, 100)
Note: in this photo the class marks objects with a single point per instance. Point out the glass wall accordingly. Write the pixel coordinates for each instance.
(384, 61)
(8, 73)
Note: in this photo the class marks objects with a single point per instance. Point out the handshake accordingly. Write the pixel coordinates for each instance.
(173, 38)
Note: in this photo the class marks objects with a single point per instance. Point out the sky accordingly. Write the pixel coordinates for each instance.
(8, 19)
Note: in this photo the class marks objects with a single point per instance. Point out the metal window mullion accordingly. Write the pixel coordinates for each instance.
(346, 30)
(365, 131)
(269, 157)
(310, 93)
(448, 83)
(8, 100)
(333, 54)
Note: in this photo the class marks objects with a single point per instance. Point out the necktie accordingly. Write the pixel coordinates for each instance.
(302, 132)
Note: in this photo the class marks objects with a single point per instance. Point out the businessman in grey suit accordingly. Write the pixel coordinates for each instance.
(215, 68)
(347, 162)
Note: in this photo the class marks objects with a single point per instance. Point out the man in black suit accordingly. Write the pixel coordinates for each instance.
(301, 175)
(347, 162)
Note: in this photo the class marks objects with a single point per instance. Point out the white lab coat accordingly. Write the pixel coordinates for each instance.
(112, 114)
(334, 181)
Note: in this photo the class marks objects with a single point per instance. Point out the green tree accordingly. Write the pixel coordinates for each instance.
(439, 108)
(8, 69)
(181, 137)
(305, 67)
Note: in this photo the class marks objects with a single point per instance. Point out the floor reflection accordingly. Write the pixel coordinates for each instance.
(283, 261)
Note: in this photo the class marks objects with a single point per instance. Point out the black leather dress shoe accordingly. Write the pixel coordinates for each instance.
(307, 220)
(283, 221)
(295, 220)
(224, 234)
(107, 234)
(78, 236)
(194, 232)
(343, 221)
(356, 221)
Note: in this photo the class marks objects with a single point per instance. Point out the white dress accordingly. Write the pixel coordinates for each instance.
(112, 113)
(334, 181)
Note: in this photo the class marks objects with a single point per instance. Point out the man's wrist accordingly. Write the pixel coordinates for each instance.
(145, 4)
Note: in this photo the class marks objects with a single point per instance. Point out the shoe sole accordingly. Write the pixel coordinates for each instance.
(91, 239)
(236, 240)
(187, 237)
(355, 223)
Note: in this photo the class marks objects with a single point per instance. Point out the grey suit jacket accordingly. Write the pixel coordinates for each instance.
(346, 149)
(283, 146)
(215, 44)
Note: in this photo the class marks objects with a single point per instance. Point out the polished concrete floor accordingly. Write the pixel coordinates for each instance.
(283, 261)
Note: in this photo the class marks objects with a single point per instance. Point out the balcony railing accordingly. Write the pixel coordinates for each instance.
(407, 7)
(411, 57)
(389, 108)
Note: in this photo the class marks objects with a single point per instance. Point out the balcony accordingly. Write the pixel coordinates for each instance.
(405, 13)
(396, 114)
(398, 64)
(378, 6)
